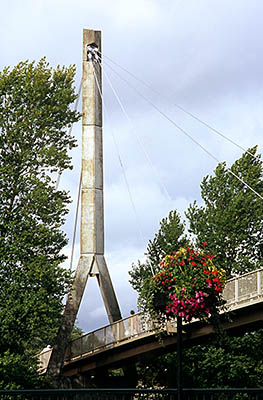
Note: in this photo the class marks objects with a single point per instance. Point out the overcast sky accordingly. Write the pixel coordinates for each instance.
(205, 55)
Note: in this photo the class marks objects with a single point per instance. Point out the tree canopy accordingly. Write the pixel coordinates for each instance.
(231, 217)
(235, 363)
(170, 236)
(35, 115)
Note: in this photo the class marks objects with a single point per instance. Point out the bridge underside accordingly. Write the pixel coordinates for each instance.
(127, 354)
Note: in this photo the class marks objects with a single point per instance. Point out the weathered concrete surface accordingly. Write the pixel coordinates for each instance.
(72, 306)
(92, 242)
(92, 261)
(92, 207)
(107, 291)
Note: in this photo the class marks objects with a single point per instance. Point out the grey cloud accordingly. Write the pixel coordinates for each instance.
(206, 56)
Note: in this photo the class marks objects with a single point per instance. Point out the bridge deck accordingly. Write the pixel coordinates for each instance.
(240, 293)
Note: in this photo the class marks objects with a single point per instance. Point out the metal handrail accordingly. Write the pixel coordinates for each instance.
(148, 327)
(120, 331)
(239, 292)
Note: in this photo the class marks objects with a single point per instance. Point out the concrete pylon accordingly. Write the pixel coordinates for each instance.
(92, 209)
(92, 261)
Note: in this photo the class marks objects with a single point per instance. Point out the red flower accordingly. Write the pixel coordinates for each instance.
(216, 280)
(218, 288)
(193, 263)
(204, 244)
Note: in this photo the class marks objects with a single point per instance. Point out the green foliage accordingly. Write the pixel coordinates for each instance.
(169, 237)
(34, 117)
(236, 363)
(19, 371)
(76, 333)
(231, 218)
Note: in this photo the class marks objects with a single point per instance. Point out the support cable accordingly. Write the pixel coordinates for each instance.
(70, 129)
(180, 107)
(119, 157)
(183, 131)
(137, 137)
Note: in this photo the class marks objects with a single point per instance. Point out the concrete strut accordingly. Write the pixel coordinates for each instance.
(92, 261)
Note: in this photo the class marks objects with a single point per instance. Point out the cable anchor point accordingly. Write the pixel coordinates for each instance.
(92, 52)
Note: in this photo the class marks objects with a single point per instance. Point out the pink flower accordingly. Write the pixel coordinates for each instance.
(181, 314)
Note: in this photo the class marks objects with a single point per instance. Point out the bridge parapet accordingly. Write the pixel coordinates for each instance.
(244, 289)
(112, 335)
(239, 292)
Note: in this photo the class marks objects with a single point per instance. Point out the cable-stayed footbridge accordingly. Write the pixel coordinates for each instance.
(123, 340)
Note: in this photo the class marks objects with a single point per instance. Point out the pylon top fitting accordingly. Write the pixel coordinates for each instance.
(92, 52)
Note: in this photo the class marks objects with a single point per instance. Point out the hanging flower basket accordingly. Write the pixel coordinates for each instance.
(188, 285)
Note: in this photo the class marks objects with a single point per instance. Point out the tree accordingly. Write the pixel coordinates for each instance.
(231, 221)
(170, 236)
(231, 218)
(76, 333)
(235, 363)
(34, 118)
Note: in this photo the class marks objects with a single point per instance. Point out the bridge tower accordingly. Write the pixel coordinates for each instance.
(92, 261)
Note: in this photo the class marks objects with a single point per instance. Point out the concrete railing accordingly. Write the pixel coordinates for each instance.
(239, 292)
(244, 290)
